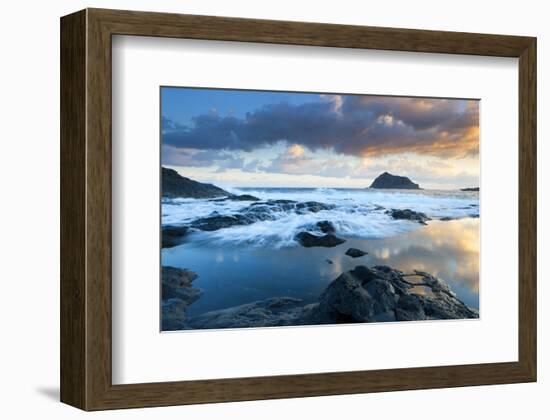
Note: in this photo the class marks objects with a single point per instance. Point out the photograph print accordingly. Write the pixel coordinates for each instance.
(299, 208)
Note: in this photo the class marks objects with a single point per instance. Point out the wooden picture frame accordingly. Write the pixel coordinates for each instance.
(86, 361)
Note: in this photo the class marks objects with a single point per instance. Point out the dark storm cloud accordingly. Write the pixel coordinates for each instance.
(352, 125)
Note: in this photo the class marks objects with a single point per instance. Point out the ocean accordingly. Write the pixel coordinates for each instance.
(242, 264)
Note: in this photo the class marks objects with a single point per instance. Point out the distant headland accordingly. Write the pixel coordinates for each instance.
(175, 185)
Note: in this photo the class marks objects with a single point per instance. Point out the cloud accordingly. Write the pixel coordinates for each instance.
(351, 124)
(223, 160)
(296, 160)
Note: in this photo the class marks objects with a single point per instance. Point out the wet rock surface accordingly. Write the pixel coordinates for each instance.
(355, 253)
(255, 212)
(217, 222)
(173, 235)
(408, 214)
(310, 240)
(380, 294)
(326, 227)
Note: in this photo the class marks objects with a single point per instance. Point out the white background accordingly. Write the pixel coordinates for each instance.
(280, 351)
(30, 209)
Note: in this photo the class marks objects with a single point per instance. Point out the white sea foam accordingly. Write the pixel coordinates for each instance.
(356, 213)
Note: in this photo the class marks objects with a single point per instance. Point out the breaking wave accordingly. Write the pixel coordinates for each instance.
(353, 213)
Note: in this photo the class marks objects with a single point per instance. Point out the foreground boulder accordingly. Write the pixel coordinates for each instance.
(389, 181)
(408, 214)
(177, 294)
(174, 185)
(380, 293)
(309, 240)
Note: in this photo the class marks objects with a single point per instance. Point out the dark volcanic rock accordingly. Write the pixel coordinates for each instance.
(326, 227)
(408, 214)
(174, 185)
(351, 298)
(389, 181)
(173, 235)
(177, 294)
(470, 189)
(260, 211)
(309, 240)
(355, 253)
(383, 294)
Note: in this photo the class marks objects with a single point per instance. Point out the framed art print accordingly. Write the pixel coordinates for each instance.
(262, 209)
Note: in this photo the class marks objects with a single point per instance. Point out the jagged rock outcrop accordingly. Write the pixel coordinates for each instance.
(389, 181)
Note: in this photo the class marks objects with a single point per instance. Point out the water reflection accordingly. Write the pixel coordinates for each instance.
(449, 250)
(230, 277)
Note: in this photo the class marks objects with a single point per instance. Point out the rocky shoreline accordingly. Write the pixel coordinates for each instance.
(362, 295)
(256, 210)
(322, 233)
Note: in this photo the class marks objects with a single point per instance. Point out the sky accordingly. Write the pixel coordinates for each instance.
(235, 138)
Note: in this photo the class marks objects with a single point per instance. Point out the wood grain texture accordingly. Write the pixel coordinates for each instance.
(86, 208)
(306, 33)
(528, 209)
(73, 213)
